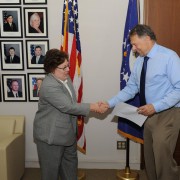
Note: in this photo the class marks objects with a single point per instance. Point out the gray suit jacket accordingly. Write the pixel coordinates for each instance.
(56, 119)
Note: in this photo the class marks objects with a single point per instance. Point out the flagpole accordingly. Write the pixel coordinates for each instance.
(127, 174)
(131, 20)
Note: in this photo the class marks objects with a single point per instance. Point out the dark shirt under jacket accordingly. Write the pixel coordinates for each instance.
(15, 59)
(10, 94)
(41, 60)
(32, 30)
(7, 27)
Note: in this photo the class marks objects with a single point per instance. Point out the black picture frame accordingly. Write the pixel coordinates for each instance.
(18, 80)
(8, 48)
(34, 82)
(42, 46)
(31, 30)
(35, 1)
(10, 2)
(7, 13)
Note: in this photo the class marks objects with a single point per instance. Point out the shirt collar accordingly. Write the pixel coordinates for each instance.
(153, 50)
(64, 82)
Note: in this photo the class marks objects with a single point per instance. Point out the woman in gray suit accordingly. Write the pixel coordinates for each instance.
(55, 123)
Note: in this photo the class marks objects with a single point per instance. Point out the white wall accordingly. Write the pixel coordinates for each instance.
(101, 31)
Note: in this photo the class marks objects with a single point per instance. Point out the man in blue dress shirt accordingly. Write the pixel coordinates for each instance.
(162, 102)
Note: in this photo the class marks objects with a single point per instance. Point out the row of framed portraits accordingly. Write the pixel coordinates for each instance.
(33, 48)
(24, 1)
(14, 28)
(14, 87)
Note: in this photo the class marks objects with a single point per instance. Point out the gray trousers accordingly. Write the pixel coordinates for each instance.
(57, 161)
(160, 137)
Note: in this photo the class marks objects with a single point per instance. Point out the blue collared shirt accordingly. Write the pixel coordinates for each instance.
(162, 86)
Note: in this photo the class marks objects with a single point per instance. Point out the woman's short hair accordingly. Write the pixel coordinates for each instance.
(34, 16)
(53, 58)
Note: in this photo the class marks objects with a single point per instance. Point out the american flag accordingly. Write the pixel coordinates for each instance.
(9, 81)
(5, 49)
(71, 44)
(34, 84)
(32, 48)
(5, 16)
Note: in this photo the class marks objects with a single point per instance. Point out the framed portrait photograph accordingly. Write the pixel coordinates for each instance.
(12, 55)
(14, 87)
(34, 85)
(35, 21)
(8, 2)
(35, 1)
(10, 22)
(36, 51)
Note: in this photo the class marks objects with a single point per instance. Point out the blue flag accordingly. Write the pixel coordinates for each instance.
(126, 127)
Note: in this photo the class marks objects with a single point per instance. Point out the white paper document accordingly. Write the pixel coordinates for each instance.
(129, 112)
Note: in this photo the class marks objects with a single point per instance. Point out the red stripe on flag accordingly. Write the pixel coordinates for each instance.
(66, 42)
(73, 59)
(79, 59)
(81, 134)
(80, 93)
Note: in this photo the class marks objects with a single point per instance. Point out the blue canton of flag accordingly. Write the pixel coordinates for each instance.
(34, 84)
(32, 48)
(78, 44)
(5, 50)
(71, 17)
(126, 127)
(5, 16)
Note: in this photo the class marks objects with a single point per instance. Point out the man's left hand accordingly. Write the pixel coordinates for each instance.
(146, 110)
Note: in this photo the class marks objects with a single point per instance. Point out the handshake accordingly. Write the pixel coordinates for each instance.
(99, 107)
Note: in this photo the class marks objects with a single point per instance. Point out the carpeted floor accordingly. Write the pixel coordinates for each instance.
(91, 174)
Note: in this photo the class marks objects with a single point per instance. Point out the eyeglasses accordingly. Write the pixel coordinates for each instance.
(64, 68)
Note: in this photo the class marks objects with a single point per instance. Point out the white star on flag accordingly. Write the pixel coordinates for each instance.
(126, 77)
